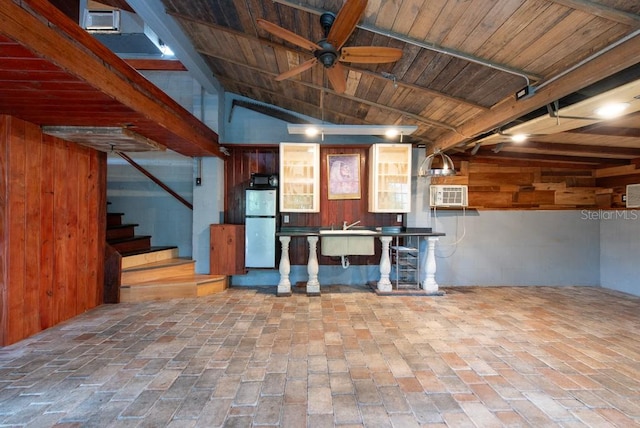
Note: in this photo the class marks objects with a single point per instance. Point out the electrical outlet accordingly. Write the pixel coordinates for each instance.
(399, 218)
(285, 218)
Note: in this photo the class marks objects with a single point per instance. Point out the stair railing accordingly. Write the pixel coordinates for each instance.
(155, 180)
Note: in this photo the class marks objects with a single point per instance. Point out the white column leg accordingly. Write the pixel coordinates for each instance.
(384, 285)
(284, 286)
(430, 285)
(313, 286)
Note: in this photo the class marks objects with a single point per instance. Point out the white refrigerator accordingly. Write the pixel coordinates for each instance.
(260, 228)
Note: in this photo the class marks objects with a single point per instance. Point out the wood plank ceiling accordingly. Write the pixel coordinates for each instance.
(462, 63)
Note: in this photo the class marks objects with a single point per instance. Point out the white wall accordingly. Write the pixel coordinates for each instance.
(619, 249)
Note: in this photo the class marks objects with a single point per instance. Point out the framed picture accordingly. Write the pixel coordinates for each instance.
(343, 172)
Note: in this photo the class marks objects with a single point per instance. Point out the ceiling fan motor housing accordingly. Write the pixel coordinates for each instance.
(327, 55)
(326, 21)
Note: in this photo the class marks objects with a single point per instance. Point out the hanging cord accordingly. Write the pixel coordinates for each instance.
(458, 240)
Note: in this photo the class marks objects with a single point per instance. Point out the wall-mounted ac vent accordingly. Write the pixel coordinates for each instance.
(102, 20)
(448, 195)
(633, 195)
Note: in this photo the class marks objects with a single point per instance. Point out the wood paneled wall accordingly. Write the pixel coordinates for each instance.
(260, 159)
(498, 186)
(52, 229)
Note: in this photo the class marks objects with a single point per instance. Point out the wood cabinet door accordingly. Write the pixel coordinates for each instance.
(390, 178)
(226, 256)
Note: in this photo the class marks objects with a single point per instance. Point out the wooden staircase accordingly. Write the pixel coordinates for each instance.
(155, 273)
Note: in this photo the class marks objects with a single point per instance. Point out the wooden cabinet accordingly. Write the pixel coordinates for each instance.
(299, 177)
(226, 255)
(390, 178)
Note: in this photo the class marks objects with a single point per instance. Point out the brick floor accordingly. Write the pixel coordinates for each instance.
(477, 356)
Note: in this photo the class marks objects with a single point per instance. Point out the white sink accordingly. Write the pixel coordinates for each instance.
(348, 232)
(337, 243)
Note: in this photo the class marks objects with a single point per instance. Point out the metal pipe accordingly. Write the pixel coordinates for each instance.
(155, 180)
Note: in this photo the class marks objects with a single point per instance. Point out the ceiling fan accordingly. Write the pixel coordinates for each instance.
(330, 51)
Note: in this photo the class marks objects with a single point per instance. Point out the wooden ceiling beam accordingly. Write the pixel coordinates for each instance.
(616, 59)
(488, 153)
(603, 11)
(51, 35)
(116, 4)
(627, 152)
(512, 162)
(609, 131)
(155, 64)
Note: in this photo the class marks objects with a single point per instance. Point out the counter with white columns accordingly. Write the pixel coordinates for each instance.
(428, 260)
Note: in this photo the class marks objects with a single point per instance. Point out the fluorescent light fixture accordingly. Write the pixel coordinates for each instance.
(351, 129)
(612, 110)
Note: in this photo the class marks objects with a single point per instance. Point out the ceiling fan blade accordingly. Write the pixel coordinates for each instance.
(287, 35)
(370, 54)
(297, 70)
(345, 22)
(337, 78)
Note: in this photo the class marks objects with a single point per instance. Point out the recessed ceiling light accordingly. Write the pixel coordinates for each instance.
(612, 110)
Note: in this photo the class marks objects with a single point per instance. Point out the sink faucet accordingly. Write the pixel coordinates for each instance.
(346, 226)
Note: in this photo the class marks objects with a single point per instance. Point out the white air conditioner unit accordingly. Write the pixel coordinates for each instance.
(444, 195)
(102, 20)
(633, 195)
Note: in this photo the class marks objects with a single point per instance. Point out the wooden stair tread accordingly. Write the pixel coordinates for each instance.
(136, 258)
(175, 261)
(192, 279)
(146, 251)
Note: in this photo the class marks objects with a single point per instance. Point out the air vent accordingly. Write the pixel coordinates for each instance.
(633, 196)
(448, 196)
(102, 20)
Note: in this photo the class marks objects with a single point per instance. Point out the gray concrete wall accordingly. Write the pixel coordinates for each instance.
(619, 249)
